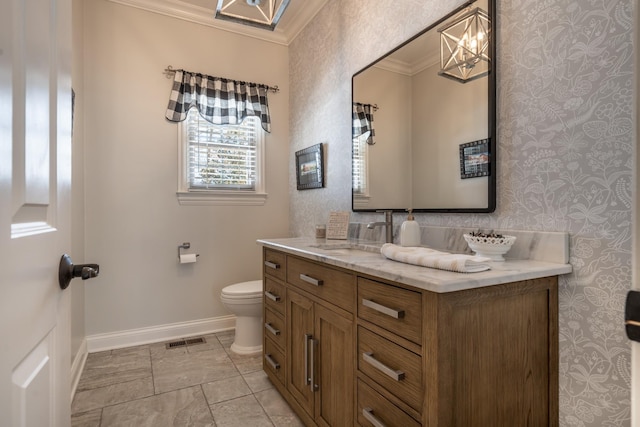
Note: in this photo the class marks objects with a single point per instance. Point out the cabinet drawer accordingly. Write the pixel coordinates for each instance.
(273, 361)
(392, 366)
(395, 309)
(378, 407)
(275, 264)
(274, 327)
(274, 294)
(332, 285)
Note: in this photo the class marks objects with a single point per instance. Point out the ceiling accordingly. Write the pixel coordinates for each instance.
(297, 15)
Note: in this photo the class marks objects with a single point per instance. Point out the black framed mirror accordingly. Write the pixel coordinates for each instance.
(424, 120)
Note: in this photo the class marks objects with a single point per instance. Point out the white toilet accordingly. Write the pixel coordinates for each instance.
(245, 301)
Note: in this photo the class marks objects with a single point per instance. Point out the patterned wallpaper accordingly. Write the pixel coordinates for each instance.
(565, 146)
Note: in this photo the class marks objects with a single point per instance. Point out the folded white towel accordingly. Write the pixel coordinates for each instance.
(435, 259)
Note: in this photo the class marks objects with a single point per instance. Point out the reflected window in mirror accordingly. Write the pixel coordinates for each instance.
(363, 137)
(424, 117)
(360, 171)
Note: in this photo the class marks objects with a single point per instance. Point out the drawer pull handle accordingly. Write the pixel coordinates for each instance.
(275, 365)
(396, 375)
(271, 329)
(273, 265)
(271, 296)
(309, 279)
(396, 314)
(368, 414)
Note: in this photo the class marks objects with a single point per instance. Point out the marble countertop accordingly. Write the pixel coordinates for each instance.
(365, 257)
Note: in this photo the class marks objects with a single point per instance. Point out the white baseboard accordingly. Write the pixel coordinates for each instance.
(133, 337)
(77, 366)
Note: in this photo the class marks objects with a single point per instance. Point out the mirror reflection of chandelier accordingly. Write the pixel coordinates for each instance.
(464, 46)
(256, 13)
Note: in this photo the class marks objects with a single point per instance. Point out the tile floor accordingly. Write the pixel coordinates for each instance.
(197, 385)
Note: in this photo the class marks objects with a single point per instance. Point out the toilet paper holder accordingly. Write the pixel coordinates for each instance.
(185, 245)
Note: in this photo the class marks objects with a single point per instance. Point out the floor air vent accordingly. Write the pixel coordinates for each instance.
(183, 343)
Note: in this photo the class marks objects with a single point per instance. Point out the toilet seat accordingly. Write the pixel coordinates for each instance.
(244, 290)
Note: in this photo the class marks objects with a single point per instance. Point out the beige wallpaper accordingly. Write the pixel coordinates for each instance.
(565, 147)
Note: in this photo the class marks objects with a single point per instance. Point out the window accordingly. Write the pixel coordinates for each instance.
(221, 164)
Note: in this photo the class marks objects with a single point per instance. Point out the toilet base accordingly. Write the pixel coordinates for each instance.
(246, 350)
(248, 339)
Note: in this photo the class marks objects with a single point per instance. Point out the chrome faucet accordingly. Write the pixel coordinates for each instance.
(388, 224)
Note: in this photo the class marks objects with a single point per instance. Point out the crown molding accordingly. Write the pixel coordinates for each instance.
(205, 16)
(394, 66)
(405, 68)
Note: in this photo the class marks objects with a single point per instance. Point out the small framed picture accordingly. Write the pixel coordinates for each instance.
(309, 164)
(474, 159)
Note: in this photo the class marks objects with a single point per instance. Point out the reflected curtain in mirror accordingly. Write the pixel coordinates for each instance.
(362, 116)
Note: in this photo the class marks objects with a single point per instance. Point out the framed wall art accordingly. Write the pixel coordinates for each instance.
(309, 168)
(474, 159)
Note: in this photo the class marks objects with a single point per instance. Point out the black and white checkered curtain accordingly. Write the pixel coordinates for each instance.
(219, 101)
(363, 121)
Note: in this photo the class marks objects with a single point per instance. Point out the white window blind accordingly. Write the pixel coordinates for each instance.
(360, 164)
(221, 156)
(221, 164)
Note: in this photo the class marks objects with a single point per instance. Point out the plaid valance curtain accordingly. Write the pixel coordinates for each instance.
(363, 121)
(219, 101)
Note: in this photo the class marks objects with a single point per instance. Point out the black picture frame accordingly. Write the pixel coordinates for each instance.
(475, 159)
(310, 168)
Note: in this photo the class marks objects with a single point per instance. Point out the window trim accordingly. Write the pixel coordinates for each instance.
(203, 197)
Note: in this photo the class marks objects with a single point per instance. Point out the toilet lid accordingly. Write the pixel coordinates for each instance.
(244, 289)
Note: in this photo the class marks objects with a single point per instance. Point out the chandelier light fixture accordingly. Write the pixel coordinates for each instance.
(256, 13)
(465, 46)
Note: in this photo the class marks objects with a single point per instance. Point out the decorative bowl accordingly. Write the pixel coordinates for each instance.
(492, 246)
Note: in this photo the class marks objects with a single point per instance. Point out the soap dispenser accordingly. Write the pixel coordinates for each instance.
(410, 232)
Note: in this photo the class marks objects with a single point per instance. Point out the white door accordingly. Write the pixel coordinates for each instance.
(35, 181)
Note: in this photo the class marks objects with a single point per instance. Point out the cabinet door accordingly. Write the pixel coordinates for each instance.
(299, 338)
(334, 369)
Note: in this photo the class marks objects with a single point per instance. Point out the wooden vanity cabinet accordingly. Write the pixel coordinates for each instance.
(320, 372)
(491, 355)
(319, 341)
(273, 315)
(370, 352)
(391, 381)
